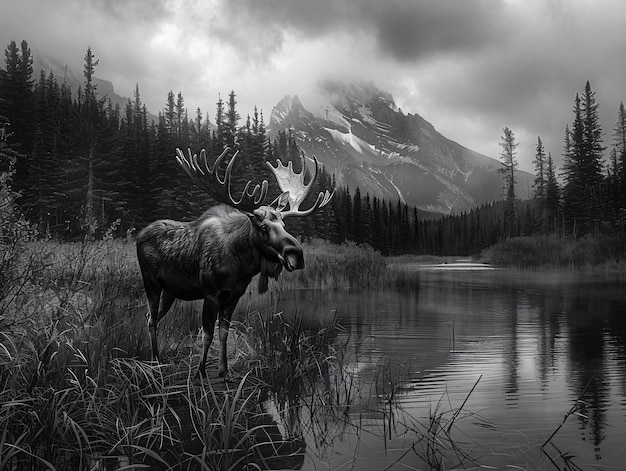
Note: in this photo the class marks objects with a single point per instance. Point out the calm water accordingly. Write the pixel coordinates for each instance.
(533, 343)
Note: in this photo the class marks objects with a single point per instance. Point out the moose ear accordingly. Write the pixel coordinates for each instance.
(280, 203)
(257, 216)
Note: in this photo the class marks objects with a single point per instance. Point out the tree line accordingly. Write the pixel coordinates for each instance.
(588, 196)
(79, 165)
(82, 164)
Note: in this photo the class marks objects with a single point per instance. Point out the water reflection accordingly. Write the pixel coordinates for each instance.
(538, 343)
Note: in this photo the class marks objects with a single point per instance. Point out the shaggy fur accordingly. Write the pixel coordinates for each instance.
(212, 258)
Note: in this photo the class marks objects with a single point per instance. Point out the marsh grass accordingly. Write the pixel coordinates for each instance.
(78, 390)
(331, 266)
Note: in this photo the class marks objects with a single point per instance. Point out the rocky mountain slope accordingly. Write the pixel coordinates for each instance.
(361, 136)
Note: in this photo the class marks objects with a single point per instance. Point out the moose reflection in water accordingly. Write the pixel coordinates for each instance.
(216, 256)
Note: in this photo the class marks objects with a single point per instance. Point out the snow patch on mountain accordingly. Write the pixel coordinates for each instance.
(347, 138)
(396, 188)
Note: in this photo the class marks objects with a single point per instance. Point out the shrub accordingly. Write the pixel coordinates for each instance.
(554, 252)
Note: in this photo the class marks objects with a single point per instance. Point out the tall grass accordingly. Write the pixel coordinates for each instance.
(331, 266)
(78, 390)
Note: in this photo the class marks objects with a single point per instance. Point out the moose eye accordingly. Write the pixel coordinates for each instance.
(264, 229)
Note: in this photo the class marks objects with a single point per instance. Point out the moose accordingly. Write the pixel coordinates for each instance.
(216, 256)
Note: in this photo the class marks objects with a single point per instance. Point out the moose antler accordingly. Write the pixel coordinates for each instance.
(219, 189)
(292, 185)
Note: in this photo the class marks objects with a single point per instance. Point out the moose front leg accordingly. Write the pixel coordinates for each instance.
(226, 313)
(210, 309)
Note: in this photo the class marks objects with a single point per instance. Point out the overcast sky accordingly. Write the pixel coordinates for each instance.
(470, 67)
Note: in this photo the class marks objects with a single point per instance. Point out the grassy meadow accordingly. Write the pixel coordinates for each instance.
(78, 389)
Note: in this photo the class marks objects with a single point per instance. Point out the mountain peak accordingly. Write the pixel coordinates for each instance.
(360, 135)
(343, 94)
(288, 106)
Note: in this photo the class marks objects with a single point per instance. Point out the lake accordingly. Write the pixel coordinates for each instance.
(470, 367)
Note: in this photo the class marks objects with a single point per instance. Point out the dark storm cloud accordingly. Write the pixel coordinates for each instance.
(404, 29)
(143, 11)
(470, 67)
(410, 30)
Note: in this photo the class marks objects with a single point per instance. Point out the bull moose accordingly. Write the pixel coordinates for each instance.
(216, 256)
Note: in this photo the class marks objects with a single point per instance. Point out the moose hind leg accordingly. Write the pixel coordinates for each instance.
(209, 315)
(154, 297)
(166, 303)
(159, 302)
(164, 306)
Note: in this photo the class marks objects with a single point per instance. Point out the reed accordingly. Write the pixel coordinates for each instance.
(436, 440)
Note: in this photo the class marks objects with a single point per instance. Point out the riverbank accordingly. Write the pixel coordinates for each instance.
(75, 354)
(79, 389)
(551, 252)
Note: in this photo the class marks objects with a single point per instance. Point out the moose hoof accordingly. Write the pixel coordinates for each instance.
(224, 375)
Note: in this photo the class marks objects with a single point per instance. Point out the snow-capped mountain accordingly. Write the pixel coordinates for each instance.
(359, 134)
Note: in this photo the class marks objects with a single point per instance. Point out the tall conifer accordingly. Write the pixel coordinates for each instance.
(508, 171)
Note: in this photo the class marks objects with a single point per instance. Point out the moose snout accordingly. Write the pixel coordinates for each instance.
(293, 258)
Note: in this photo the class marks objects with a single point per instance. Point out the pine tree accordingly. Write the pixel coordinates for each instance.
(231, 121)
(67, 139)
(366, 218)
(583, 166)
(346, 216)
(219, 141)
(17, 98)
(200, 136)
(508, 171)
(170, 117)
(376, 229)
(84, 172)
(619, 142)
(184, 132)
(357, 217)
(552, 197)
(45, 166)
(592, 139)
(539, 184)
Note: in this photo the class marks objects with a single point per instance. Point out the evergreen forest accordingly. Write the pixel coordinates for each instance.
(76, 165)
